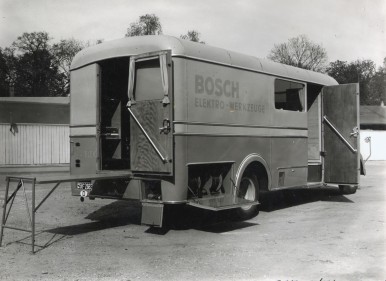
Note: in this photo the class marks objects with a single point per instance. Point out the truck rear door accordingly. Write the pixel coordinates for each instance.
(150, 107)
(341, 134)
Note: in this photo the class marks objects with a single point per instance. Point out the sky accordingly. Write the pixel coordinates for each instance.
(347, 29)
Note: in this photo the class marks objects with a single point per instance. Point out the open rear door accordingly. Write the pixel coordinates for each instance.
(341, 134)
(150, 107)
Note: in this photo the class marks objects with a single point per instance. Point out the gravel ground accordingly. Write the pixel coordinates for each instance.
(298, 235)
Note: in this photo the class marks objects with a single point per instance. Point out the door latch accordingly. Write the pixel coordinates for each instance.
(165, 129)
(355, 132)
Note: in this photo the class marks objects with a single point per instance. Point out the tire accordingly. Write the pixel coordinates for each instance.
(348, 189)
(248, 189)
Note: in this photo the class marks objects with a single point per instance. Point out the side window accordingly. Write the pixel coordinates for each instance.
(148, 80)
(289, 95)
(149, 77)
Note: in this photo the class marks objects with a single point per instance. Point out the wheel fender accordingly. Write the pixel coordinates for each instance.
(245, 163)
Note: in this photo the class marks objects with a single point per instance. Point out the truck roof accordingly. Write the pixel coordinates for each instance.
(143, 44)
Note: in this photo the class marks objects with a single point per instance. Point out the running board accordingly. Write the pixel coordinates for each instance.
(223, 202)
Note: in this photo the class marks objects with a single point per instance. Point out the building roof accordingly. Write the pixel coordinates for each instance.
(35, 110)
(144, 44)
(372, 115)
(36, 100)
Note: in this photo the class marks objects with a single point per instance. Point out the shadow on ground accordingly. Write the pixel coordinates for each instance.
(118, 213)
(43, 239)
(180, 217)
(276, 200)
(176, 217)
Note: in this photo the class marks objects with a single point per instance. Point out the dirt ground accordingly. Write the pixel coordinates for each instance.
(298, 235)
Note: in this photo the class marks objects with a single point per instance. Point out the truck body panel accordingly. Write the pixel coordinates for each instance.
(195, 124)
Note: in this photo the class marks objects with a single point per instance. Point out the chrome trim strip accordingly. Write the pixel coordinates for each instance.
(315, 163)
(208, 130)
(83, 136)
(328, 184)
(292, 167)
(174, 202)
(314, 184)
(81, 126)
(237, 125)
(339, 134)
(301, 186)
(238, 135)
(213, 162)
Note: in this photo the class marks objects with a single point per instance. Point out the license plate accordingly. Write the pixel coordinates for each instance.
(86, 185)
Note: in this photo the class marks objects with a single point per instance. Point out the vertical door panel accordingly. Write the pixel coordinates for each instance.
(84, 95)
(340, 133)
(150, 107)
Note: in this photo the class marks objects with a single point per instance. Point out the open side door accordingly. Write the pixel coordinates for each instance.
(341, 134)
(150, 108)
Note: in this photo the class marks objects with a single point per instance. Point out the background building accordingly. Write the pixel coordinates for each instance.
(373, 132)
(34, 132)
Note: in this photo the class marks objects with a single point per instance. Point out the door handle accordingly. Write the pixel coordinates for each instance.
(355, 132)
(165, 129)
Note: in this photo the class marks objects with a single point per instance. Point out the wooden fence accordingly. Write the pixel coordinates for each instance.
(34, 144)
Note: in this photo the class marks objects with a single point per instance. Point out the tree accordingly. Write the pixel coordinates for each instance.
(32, 67)
(4, 85)
(148, 24)
(63, 53)
(38, 75)
(362, 72)
(378, 83)
(32, 42)
(9, 64)
(192, 35)
(300, 52)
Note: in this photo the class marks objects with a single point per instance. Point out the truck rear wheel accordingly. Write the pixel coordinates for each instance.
(249, 189)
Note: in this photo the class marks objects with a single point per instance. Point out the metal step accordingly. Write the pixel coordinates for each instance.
(221, 202)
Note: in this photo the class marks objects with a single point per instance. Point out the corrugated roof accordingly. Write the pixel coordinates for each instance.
(143, 44)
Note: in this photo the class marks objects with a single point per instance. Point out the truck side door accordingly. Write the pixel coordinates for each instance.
(341, 134)
(150, 107)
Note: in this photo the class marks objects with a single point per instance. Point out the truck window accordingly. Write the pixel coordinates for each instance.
(289, 95)
(148, 80)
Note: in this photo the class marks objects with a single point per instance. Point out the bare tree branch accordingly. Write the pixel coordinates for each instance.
(300, 52)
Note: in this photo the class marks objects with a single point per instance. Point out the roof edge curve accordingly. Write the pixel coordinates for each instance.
(129, 46)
